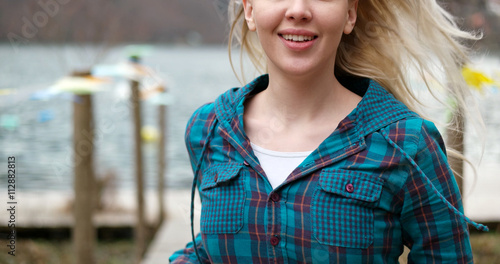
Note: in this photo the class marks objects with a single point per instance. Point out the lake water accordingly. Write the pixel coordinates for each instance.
(41, 140)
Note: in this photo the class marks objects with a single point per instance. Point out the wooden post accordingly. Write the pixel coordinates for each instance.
(455, 140)
(140, 229)
(161, 161)
(84, 233)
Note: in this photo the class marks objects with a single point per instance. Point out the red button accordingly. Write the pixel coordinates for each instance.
(275, 240)
(349, 188)
(275, 197)
(216, 177)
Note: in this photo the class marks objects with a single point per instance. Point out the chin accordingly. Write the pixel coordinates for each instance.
(302, 69)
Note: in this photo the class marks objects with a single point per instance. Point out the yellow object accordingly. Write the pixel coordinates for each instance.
(80, 85)
(476, 79)
(149, 134)
(6, 91)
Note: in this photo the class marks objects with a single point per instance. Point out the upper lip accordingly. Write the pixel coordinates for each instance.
(299, 32)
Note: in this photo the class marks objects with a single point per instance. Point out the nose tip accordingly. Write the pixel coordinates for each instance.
(299, 17)
(298, 11)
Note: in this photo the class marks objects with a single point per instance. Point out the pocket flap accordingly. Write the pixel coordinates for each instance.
(219, 173)
(351, 184)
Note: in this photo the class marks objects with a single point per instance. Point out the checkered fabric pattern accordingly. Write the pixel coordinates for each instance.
(378, 182)
(353, 194)
(224, 200)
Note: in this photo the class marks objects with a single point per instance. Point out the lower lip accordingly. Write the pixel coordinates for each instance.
(298, 45)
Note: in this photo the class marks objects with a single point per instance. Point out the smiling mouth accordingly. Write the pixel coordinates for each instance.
(297, 38)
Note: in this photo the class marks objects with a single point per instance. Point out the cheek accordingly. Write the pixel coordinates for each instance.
(334, 27)
(267, 19)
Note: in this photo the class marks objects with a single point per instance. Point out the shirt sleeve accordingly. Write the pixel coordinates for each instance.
(197, 130)
(188, 255)
(434, 227)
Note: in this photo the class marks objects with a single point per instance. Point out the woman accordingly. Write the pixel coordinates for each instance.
(322, 159)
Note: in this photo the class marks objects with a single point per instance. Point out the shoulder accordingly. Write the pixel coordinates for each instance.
(205, 118)
(378, 108)
(224, 108)
(380, 111)
(199, 124)
(413, 135)
(197, 130)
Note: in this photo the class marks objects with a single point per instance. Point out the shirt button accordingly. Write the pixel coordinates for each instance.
(275, 197)
(246, 163)
(349, 188)
(275, 240)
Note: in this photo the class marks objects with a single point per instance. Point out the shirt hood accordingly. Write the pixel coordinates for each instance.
(377, 108)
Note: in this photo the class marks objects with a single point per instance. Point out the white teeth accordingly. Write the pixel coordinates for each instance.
(297, 37)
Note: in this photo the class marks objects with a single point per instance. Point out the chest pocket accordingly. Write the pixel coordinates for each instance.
(342, 208)
(223, 197)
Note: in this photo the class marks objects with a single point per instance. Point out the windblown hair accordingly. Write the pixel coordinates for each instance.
(390, 37)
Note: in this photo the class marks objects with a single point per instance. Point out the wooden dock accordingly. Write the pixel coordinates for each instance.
(175, 232)
(482, 194)
(53, 209)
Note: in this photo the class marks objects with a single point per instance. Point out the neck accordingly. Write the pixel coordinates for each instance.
(303, 98)
(297, 109)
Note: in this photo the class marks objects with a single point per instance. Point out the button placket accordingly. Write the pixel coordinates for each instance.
(275, 197)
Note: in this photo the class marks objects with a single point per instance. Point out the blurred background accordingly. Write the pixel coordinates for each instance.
(175, 51)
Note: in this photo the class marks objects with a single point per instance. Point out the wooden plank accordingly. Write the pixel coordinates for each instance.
(140, 229)
(84, 233)
(162, 161)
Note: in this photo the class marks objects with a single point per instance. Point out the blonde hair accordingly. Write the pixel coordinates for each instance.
(390, 37)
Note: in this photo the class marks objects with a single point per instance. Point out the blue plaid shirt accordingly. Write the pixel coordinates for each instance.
(380, 181)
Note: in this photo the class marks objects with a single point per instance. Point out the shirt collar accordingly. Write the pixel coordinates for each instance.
(377, 108)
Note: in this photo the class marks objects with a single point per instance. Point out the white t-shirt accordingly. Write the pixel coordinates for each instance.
(278, 165)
